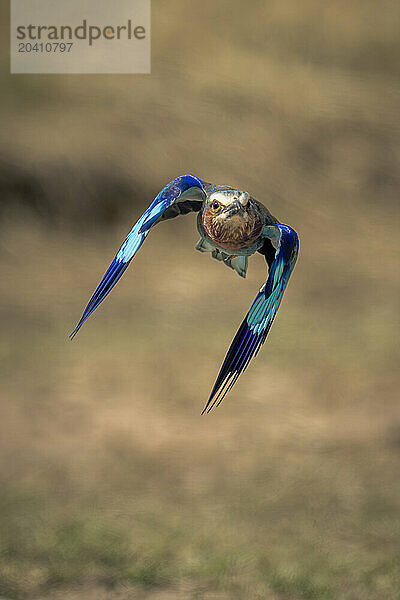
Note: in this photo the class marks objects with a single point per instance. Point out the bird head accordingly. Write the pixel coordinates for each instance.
(226, 204)
(229, 219)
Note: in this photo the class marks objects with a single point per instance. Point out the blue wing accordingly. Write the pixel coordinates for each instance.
(254, 330)
(174, 199)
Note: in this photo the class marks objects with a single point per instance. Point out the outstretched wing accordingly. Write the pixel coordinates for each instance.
(253, 331)
(182, 195)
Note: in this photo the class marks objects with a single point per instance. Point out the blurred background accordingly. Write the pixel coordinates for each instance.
(111, 484)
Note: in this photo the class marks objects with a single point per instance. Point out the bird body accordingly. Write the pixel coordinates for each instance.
(232, 226)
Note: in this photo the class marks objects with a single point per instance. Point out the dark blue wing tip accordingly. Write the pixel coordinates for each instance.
(81, 321)
(236, 360)
(73, 333)
(79, 325)
(110, 278)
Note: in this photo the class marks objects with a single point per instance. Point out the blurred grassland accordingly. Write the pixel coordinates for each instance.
(111, 484)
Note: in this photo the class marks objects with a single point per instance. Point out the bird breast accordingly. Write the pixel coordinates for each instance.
(232, 233)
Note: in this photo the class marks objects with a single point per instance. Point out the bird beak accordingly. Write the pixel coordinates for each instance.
(235, 208)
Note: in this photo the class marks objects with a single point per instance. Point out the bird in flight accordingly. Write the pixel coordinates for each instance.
(232, 226)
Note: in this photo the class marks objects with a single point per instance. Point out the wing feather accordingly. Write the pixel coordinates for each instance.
(187, 190)
(255, 327)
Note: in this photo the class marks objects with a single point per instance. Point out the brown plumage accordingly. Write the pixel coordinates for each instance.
(233, 232)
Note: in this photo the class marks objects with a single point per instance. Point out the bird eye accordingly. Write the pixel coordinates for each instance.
(215, 205)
